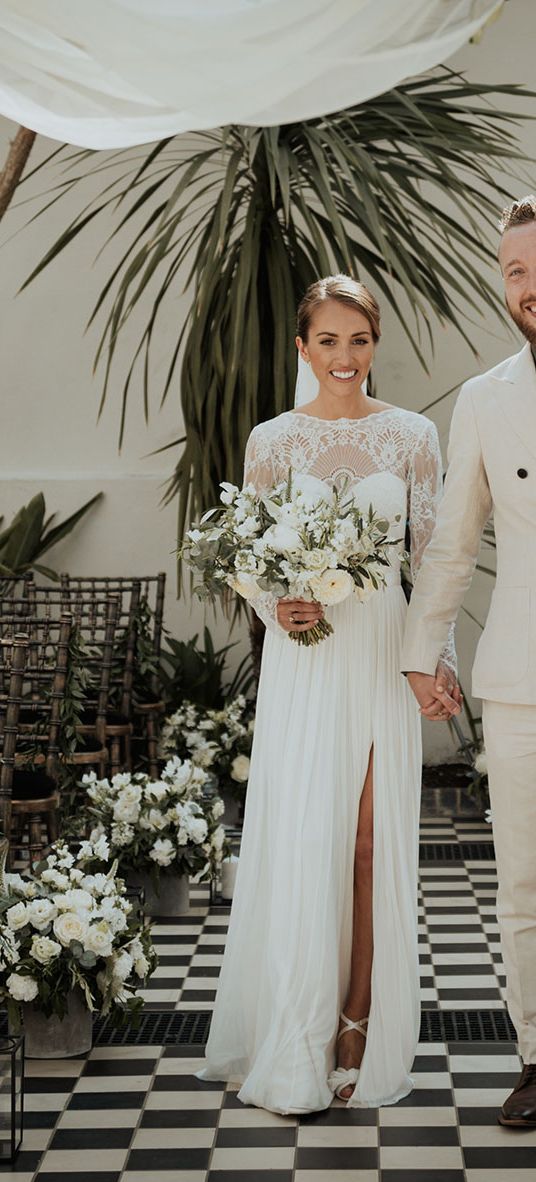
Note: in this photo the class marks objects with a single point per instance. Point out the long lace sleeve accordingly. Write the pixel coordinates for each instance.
(258, 470)
(425, 489)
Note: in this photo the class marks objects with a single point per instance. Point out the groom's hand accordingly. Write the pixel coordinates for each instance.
(438, 696)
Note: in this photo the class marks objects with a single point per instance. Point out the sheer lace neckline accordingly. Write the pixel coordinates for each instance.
(375, 414)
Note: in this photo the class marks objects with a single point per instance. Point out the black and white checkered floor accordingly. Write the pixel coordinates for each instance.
(138, 1113)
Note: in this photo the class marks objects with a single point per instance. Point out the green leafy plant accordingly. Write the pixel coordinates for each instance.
(194, 674)
(30, 535)
(402, 189)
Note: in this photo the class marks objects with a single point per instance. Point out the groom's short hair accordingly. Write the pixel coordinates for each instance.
(518, 213)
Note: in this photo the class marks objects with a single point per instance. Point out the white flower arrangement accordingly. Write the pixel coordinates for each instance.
(62, 928)
(302, 539)
(158, 825)
(219, 741)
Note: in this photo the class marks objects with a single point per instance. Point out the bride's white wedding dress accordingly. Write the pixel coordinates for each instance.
(320, 710)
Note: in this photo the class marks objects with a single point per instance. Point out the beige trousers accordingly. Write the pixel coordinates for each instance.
(510, 741)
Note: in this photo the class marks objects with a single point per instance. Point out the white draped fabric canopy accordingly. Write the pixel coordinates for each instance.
(113, 73)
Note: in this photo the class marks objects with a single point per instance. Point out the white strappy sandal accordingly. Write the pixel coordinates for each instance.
(344, 1077)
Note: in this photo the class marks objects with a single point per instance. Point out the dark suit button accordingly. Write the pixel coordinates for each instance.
(522, 472)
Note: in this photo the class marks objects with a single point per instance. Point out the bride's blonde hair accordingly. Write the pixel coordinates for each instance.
(347, 291)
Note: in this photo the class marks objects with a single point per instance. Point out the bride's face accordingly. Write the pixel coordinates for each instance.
(339, 347)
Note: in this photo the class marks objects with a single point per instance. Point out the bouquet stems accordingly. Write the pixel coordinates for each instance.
(319, 631)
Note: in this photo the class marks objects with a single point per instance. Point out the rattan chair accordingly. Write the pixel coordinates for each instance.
(33, 673)
(138, 699)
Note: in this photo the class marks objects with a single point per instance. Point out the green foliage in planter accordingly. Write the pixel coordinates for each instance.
(190, 673)
(31, 534)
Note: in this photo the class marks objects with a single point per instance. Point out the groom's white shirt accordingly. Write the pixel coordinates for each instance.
(491, 467)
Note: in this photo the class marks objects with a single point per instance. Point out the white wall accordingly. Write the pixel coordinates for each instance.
(49, 435)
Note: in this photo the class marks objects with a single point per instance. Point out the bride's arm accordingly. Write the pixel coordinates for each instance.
(425, 490)
(259, 471)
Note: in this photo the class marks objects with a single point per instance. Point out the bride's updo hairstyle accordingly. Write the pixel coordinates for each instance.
(346, 291)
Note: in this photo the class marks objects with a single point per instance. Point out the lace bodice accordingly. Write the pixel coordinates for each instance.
(393, 443)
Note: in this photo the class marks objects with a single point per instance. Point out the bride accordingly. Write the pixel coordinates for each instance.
(325, 907)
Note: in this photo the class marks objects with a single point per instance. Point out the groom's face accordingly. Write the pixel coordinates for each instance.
(517, 256)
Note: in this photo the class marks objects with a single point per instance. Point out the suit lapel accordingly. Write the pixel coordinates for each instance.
(516, 395)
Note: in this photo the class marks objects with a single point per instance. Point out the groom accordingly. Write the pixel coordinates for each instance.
(492, 468)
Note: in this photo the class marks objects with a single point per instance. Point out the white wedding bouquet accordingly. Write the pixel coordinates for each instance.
(159, 825)
(302, 539)
(65, 927)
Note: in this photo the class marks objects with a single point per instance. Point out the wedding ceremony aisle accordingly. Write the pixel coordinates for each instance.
(134, 1111)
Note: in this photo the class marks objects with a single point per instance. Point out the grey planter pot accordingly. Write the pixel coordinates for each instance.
(173, 897)
(58, 1038)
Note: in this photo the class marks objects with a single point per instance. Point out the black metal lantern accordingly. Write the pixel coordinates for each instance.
(11, 1096)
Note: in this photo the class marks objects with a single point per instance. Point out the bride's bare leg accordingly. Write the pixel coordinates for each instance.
(351, 1047)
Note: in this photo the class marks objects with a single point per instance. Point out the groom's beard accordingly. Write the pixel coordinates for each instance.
(525, 322)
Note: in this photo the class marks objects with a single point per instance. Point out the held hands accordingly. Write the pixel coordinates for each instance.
(439, 696)
(298, 615)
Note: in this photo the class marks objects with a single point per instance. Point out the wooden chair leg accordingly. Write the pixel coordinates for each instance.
(36, 844)
(115, 754)
(128, 754)
(52, 826)
(152, 746)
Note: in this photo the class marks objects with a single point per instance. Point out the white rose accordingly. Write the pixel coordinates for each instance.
(69, 927)
(218, 808)
(123, 965)
(22, 988)
(141, 966)
(332, 586)
(17, 916)
(99, 939)
(115, 917)
(163, 852)
(41, 912)
(240, 769)
(121, 780)
(44, 950)
(121, 834)
(16, 881)
(53, 878)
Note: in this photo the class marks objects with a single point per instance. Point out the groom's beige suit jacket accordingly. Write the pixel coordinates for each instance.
(491, 468)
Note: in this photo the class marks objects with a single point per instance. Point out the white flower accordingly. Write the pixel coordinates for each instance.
(22, 988)
(240, 769)
(218, 838)
(163, 852)
(121, 834)
(156, 819)
(99, 939)
(115, 917)
(76, 899)
(43, 949)
(245, 585)
(17, 916)
(332, 586)
(69, 927)
(488, 816)
(123, 780)
(16, 881)
(218, 808)
(123, 965)
(229, 492)
(481, 763)
(198, 829)
(101, 848)
(283, 539)
(41, 912)
(55, 879)
(141, 966)
(156, 791)
(126, 810)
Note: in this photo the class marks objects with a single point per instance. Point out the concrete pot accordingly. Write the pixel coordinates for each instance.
(172, 898)
(58, 1038)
